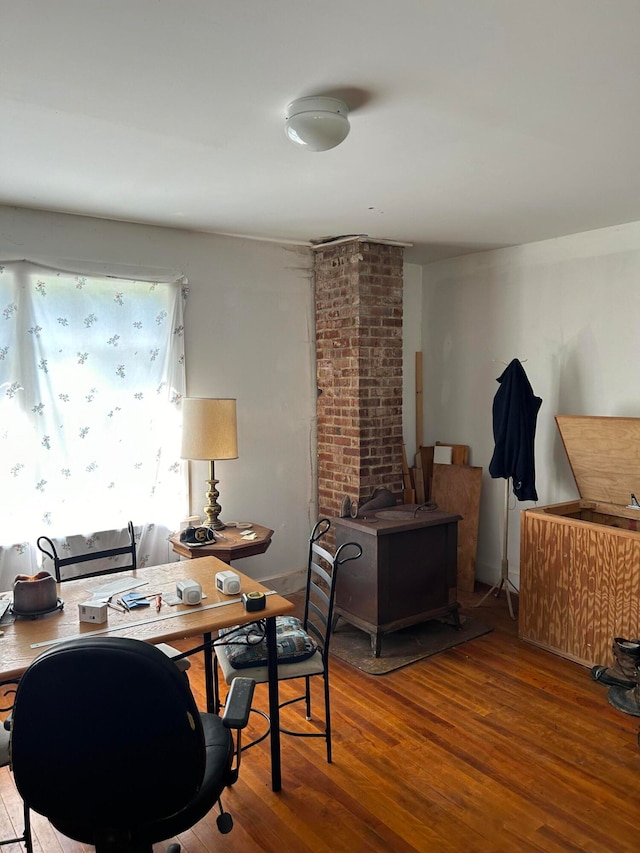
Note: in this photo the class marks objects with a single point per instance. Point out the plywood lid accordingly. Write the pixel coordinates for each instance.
(604, 454)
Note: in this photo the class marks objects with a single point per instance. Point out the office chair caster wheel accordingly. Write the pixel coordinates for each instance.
(225, 822)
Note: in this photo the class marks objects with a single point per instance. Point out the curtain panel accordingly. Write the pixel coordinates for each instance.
(92, 377)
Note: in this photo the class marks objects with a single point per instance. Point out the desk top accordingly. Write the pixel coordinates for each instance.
(144, 623)
(398, 520)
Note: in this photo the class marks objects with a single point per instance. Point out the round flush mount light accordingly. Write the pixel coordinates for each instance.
(317, 124)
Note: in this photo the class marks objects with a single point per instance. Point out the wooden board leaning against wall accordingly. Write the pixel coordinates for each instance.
(454, 486)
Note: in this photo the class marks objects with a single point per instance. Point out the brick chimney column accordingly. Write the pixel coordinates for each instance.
(358, 300)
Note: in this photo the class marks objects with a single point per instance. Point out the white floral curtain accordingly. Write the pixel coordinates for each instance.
(91, 383)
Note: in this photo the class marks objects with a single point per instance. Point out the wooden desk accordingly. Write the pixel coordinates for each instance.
(24, 639)
(233, 547)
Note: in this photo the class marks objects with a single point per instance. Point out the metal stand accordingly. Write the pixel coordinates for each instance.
(504, 573)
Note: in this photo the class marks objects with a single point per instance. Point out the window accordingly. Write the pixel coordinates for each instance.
(91, 382)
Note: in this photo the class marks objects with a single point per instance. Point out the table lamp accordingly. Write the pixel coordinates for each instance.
(209, 431)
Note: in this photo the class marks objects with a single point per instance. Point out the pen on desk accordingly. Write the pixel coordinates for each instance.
(124, 604)
(116, 607)
(158, 603)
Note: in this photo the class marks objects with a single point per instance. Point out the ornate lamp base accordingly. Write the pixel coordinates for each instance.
(212, 509)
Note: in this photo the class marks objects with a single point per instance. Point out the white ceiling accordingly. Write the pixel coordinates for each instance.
(474, 123)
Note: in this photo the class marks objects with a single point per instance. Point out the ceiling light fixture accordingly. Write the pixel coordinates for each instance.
(317, 124)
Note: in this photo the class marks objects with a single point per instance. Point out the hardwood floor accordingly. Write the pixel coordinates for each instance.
(492, 746)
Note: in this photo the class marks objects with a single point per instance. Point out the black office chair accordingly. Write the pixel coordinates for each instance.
(303, 646)
(108, 744)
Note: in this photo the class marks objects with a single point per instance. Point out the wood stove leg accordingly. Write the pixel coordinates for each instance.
(376, 643)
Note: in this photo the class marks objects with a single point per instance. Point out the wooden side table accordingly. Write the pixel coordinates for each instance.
(232, 547)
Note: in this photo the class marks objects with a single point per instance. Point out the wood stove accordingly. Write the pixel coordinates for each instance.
(406, 574)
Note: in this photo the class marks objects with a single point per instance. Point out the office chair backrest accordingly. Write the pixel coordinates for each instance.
(322, 576)
(103, 559)
(106, 730)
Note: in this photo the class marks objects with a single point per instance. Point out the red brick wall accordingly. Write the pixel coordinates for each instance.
(359, 371)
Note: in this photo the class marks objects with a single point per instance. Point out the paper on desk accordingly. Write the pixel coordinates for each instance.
(113, 588)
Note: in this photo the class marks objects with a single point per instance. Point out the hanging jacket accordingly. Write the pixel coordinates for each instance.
(515, 412)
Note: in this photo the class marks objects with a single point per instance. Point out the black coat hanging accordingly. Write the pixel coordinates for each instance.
(515, 413)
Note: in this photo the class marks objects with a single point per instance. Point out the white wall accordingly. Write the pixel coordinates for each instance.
(249, 333)
(569, 309)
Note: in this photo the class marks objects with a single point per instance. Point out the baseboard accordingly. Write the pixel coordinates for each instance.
(292, 582)
(287, 584)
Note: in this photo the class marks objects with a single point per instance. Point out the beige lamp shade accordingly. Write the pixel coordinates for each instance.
(209, 428)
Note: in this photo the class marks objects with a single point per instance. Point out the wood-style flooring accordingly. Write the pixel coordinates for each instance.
(492, 746)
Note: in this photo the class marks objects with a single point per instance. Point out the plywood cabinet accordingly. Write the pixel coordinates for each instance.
(579, 582)
(580, 560)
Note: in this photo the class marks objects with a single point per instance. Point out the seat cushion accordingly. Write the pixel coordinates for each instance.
(260, 674)
(247, 645)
